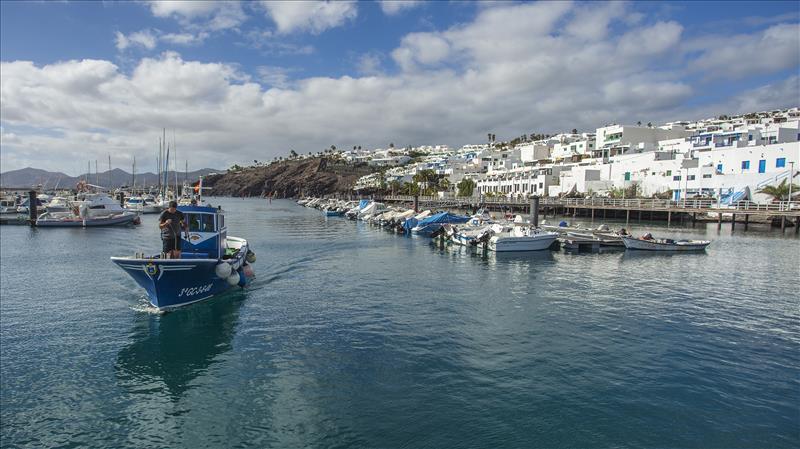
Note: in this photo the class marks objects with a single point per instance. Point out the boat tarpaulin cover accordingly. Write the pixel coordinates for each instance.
(363, 203)
(409, 224)
(444, 217)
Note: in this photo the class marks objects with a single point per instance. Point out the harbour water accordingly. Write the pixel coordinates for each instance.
(354, 337)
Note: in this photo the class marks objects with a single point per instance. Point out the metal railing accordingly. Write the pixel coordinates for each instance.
(611, 203)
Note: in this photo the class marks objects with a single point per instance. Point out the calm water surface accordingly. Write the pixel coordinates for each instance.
(354, 337)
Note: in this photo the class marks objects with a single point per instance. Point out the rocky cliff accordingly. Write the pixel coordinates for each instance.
(286, 179)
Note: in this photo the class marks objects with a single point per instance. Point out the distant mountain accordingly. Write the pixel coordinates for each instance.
(30, 177)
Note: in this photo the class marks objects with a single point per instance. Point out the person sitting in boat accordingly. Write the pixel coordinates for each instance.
(171, 222)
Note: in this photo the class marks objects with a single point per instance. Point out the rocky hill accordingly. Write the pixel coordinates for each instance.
(28, 177)
(290, 178)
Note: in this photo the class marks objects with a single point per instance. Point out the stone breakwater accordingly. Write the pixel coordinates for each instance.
(286, 179)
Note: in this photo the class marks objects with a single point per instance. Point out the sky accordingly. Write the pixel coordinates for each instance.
(236, 82)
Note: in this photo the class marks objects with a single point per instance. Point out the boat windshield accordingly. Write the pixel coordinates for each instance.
(200, 222)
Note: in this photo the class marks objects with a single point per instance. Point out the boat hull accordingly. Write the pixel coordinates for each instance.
(515, 244)
(77, 222)
(646, 245)
(172, 283)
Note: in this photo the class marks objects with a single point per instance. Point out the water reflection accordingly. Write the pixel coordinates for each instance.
(170, 351)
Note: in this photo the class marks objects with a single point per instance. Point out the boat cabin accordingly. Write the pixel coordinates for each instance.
(207, 232)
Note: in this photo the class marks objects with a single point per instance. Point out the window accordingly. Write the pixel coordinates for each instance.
(627, 176)
(749, 137)
(669, 172)
(690, 177)
(201, 222)
(676, 178)
(745, 165)
(719, 168)
(762, 166)
(707, 176)
(780, 162)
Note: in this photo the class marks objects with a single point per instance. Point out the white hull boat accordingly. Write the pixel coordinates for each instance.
(664, 244)
(520, 238)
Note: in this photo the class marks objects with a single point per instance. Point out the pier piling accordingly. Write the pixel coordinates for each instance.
(719, 221)
(535, 211)
(669, 218)
(746, 219)
(733, 222)
(797, 225)
(783, 223)
(627, 216)
(416, 203)
(33, 213)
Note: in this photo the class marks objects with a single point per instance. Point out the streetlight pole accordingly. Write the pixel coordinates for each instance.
(791, 180)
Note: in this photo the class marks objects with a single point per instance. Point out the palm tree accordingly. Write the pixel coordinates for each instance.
(466, 187)
(639, 123)
(574, 130)
(779, 192)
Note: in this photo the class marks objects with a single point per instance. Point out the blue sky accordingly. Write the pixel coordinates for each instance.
(241, 81)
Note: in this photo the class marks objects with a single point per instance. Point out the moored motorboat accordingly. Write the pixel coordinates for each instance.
(520, 238)
(211, 262)
(71, 220)
(648, 243)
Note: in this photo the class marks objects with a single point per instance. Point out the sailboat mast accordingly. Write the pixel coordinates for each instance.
(158, 166)
(175, 158)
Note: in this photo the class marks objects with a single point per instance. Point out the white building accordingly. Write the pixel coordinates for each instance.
(622, 139)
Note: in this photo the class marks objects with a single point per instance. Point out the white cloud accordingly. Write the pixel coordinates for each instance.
(146, 39)
(590, 21)
(267, 43)
(515, 69)
(312, 16)
(274, 76)
(651, 40)
(201, 15)
(392, 7)
(370, 64)
(184, 38)
(736, 56)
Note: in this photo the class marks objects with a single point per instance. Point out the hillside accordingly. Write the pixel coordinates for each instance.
(28, 177)
(290, 178)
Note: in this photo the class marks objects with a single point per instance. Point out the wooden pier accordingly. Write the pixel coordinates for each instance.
(787, 213)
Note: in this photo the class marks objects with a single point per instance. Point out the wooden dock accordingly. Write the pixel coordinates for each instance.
(787, 213)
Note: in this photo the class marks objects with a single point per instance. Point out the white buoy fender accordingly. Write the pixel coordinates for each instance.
(233, 279)
(223, 270)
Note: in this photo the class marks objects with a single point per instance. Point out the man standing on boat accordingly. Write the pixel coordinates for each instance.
(171, 222)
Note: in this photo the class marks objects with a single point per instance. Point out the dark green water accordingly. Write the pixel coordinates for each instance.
(354, 337)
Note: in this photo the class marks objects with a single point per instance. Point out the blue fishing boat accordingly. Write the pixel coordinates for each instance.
(211, 262)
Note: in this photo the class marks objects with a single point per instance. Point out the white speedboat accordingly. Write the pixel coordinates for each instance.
(520, 238)
(58, 204)
(648, 243)
(70, 220)
(142, 205)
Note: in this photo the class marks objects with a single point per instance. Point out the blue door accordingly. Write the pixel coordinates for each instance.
(762, 165)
